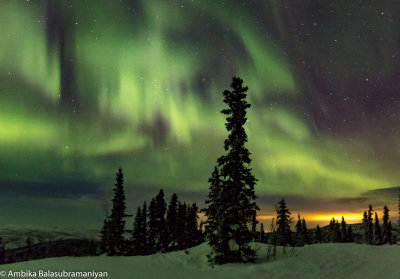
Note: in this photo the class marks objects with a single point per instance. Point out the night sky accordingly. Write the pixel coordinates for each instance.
(88, 86)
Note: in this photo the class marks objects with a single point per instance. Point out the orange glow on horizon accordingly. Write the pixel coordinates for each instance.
(349, 217)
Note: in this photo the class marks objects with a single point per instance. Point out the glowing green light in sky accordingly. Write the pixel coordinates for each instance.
(150, 99)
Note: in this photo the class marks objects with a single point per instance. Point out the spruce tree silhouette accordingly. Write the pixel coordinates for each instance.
(171, 223)
(105, 237)
(262, 233)
(336, 236)
(369, 236)
(136, 233)
(350, 236)
(398, 220)
(192, 227)
(386, 229)
(231, 205)
(283, 221)
(116, 223)
(139, 232)
(304, 232)
(299, 231)
(182, 237)
(318, 235)
(377, 231)
(143, 230)
(343, 231)
(157, 236)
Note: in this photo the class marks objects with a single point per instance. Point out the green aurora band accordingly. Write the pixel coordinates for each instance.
(149, 82)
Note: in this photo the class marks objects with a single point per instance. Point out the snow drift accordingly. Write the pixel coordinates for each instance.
(332, 260)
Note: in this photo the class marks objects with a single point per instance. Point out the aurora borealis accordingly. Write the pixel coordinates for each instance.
(88, 86)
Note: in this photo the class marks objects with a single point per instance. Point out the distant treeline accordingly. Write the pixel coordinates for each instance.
(155, 228)
(370, 231)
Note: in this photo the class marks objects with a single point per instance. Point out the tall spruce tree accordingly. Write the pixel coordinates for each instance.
(336, 237)
(231, 200)
(388, 235)
(213, 210)
(398, 220)
(136, 231)
(365, 225)
(144, 229)
(299, 232)
(283, 221)
(105, 242)
(116, 222)
(152, 228)
(191, 224)
(343, 231)
(262, 233)
(304, 232)
(183, 235)
(318, 235)
(386, 229)
(139, 232)
(377, 231)
(157, 236)
(369, 234)
(350, 235)
(171, 223)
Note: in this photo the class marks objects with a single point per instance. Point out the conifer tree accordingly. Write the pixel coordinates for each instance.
(183, 235)
(152, 228)
(318, 235)
(336, 237)
(157, 240)
(304, 232)
(116, 223)
(377, 231)
(330, 236)
(298, 227)
(213, 211)
(365, 226)
(191, 224)
(171, 223)
(139, 232)
(136, 232)
(231, 205)
(389, 233)
(144, 229)
(343, 231)
(386, 230)
(350, 236)
(262, 233)
(369, 234)
(283, 221)
(105, 237)
(398, 220)
(201, 231)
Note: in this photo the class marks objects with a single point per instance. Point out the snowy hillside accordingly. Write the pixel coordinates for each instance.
(13, 236)
(315, 261)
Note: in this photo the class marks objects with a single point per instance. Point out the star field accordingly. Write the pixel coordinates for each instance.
(88, 86)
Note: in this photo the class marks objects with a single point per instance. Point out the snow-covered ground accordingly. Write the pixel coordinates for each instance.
(16, 236)
(314, 261)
